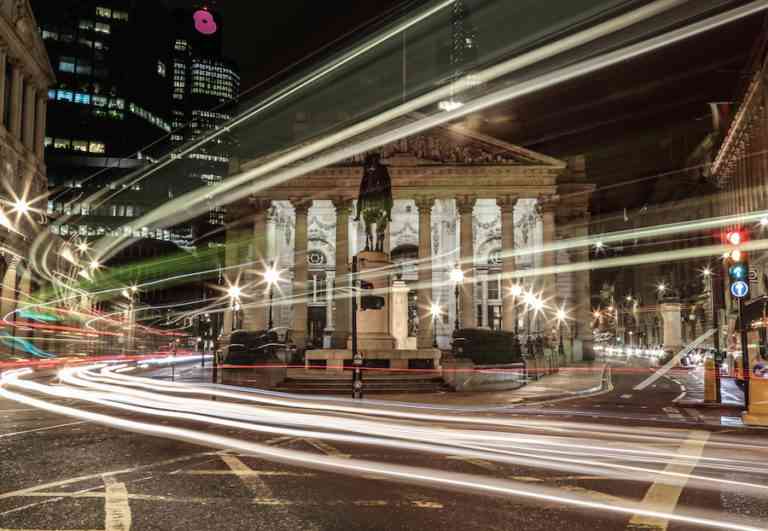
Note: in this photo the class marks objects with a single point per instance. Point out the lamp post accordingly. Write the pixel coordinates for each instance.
(457, 277)
(561, 316)
(234, 293)
(271, 277)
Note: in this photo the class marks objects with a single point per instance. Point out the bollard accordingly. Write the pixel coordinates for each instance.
(710, 383)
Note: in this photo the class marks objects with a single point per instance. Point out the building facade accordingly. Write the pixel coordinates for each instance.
(25, 77)
(109, 113)
(462, 200)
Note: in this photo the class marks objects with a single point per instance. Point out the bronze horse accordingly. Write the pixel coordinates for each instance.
(374, 204)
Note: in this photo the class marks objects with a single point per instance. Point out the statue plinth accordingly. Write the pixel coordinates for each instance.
(374, 326)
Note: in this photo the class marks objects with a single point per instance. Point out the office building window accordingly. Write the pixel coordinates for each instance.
(100, 101)
(48, 141)
(50, 35)
(161, 68)
(62, 143)
(65, 95)
(97, 147)
(86, 24)
(101, 27)
(119, 15)
(67, 64)
(82, 98)
(84, 68)
(80, 145)
(103, 12)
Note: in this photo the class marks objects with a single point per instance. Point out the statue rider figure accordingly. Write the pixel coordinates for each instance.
(374, 204)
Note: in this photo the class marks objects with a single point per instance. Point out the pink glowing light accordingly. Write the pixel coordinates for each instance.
(204, 22)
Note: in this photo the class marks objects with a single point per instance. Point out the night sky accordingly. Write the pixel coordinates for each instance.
(265, 37)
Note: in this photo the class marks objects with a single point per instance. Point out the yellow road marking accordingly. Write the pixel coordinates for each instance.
(247, 473)
(117, 513)
(326, 448)
(663, 497)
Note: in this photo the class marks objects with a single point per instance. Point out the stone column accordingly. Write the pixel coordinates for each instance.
(3, 82)
(424, 293)
(343, 320)
(508, 304)
(300, 271)
(40, 124)
(399, 314)
(28, 121)
(17, 83)
(465, 207)
(670, 314)
(9, 298)
(255, 294)
(548, 257)
(483, 279)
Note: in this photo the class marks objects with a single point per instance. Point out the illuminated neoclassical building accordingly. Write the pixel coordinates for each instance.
(462, 200)
(25, 76)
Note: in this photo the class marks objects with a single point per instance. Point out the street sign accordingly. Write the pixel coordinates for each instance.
(752, 275)
(739, 289)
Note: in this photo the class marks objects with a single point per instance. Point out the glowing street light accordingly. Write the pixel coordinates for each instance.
(82, 247)
(94, 265)
(661, 288)
(21, 206)
(707, 272)
(764, 222)
(234, 292)
(271, 277)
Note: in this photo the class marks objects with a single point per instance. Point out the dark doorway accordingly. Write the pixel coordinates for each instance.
(317, 324)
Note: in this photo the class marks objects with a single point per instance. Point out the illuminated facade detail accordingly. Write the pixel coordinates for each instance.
(484, 199)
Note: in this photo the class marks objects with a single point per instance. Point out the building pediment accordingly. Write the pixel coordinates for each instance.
(18, 26)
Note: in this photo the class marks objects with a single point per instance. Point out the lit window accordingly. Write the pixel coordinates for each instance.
(86, 24)
(96, 147)
(51, 94)
(82, 98)
(100, 101)
(161, 68)
(103, 12)
(120, 15)
(99, 45)
(102, 27)
(61, 143)
(67, 64)
(129, 211)
(64, 95)
(181, 45)
(52, 35)
(48, 141)
(84, 67)
(80, 145)
(85, 42)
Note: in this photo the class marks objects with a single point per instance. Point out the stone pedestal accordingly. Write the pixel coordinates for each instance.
(673, 337)
(399, 314)
(374, 330)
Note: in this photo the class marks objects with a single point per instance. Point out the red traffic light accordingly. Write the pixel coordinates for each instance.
(736, 237)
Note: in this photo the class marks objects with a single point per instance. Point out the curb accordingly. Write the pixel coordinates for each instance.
(606, 386)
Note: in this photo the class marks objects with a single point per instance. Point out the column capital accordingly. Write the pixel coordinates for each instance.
(424, 203)
(465, 204)
(342, 205)
(507, 203)
(301, 205)
(260, 203)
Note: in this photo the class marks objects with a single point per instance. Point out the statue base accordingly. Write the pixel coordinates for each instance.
(374, 331)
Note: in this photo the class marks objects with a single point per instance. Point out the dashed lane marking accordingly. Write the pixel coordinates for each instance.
(5, 435)
(663, 497)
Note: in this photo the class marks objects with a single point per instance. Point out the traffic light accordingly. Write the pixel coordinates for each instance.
(738, 264)
(370, 302)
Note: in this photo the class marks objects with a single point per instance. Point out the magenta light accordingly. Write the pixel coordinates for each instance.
(204, 22)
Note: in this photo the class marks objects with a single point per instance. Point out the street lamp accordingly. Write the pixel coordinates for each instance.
(457, 277)
(560, 316)
(271, 277)
(434, 311)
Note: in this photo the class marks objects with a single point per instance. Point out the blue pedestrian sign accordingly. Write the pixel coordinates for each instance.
(739, 289)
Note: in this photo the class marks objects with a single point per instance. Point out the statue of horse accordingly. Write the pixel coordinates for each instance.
(374, 203)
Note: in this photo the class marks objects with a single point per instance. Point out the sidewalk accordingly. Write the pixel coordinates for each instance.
(569, 382)
(694, 389)
(578, 380)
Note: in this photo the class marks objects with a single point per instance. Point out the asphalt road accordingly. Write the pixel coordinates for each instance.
(57, 473)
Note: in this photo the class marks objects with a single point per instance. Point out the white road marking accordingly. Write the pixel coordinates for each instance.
(663, 497)
(674, 361)
(673, 413)
(4, 435)
(117, 513)
(626, 397)
(679, 397)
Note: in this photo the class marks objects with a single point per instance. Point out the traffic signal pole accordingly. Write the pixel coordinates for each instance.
(357, 359)
(744, 352)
